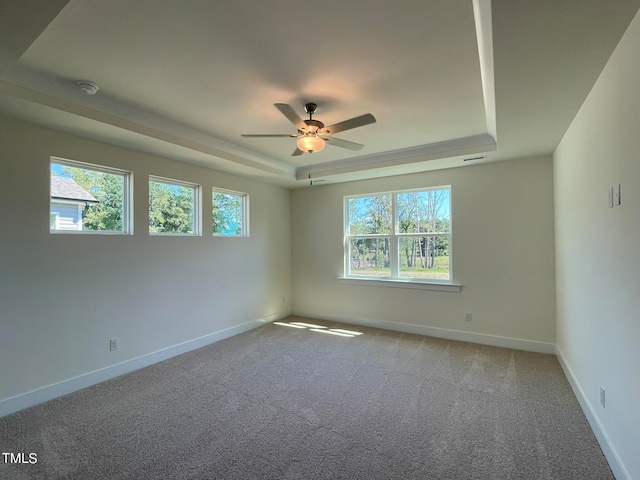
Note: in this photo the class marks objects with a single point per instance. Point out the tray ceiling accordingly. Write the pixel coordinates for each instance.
(186, 79)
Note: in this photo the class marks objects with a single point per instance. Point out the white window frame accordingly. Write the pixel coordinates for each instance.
(127, 197)
(56, 217)
(394, 279)
(245, 211)
(197, 206)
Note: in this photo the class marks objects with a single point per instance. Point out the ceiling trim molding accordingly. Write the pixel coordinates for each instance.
(484, 34)
(447, 149)
(137, 128)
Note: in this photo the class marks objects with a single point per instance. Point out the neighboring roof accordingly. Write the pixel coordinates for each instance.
(66, 188)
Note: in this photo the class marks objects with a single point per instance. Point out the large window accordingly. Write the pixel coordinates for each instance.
(89, 198)
(174, 207)
(402, 235)
(230, 213)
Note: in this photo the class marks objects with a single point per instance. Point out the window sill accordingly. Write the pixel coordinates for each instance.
(170, 234)
(87, 232)
(393, 283)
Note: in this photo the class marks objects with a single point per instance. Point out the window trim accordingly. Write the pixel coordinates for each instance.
(402, 283)
(56, 218)
(245, 212)
(127, 196)
(197, 206)
(395, 280)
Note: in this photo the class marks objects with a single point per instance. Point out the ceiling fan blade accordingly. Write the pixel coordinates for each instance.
(355, 122)
(290, 113)
(267, 135)
(337, 142)
(297, 152)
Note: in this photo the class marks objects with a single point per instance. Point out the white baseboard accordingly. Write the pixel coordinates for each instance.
(49, 392)
(483, 339)
(617, 467)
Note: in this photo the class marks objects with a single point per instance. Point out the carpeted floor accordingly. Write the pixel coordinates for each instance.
(290, 403)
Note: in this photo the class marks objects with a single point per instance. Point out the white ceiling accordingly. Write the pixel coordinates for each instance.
(445, 79)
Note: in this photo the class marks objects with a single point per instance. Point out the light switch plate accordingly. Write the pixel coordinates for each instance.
(610, 197)
(616, 195)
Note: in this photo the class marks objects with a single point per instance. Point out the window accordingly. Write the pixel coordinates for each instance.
(399, 235)
(174, 207)
(89, 198)
(230, 213)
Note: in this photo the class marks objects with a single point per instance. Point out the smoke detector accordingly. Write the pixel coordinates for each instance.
(89, 88)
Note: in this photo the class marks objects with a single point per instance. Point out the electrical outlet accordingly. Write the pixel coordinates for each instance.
(602, 397)
(467, 317)
(114, 344)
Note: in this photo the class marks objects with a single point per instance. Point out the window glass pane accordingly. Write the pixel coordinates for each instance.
(423, 212)
(370, 257)
(171, 208)
(228, 211)
(401, 235)
(370, 215)
(424, 257)
(86, 199)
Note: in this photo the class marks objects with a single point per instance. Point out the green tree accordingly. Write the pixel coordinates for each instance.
(422, 212)
(380, 222)
(108, 189)
(370, 216)
(227, 213)
(170, 208)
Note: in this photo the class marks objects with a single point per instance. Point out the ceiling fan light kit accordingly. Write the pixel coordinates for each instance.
(312, 135)
(310, 143)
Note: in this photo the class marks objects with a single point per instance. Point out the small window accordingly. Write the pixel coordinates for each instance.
(89, 198)
(230, 213)
(173, 207)
(399, 235)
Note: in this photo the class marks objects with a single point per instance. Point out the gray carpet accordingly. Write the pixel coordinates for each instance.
(285, 403)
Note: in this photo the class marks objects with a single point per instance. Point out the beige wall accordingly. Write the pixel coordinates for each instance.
(503, 255)
(598, 255)
(62, 297)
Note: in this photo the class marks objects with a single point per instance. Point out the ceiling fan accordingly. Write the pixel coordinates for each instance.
(312, 134)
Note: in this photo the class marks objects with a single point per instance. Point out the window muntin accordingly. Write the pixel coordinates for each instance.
(86, 198)
(174, 207)
(402, 235)
(230, 213)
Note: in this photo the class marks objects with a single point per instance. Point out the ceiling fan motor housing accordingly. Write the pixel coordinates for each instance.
(312, 125)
